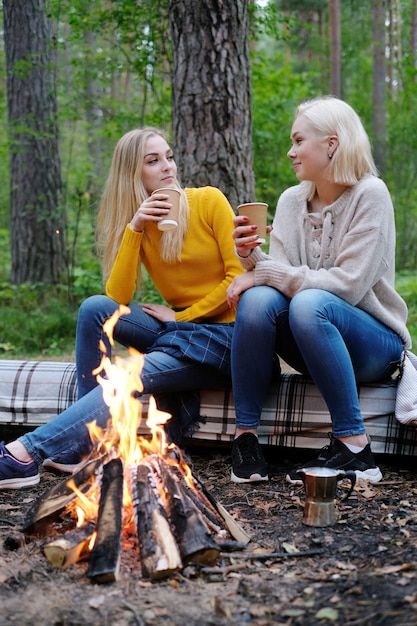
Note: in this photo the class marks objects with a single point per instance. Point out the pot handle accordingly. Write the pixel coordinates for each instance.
(302, 474)
(350, 475)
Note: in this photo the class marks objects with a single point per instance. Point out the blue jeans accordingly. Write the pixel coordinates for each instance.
(137, 330)
(317, 333)
(66, 437)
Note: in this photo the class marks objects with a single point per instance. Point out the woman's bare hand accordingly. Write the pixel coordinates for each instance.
(239, 285)
(153, 209)
(245, 236)
(160, 312)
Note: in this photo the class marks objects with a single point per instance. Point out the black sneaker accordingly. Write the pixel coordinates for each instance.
(15, 474)
(248, 463)
(337, 456)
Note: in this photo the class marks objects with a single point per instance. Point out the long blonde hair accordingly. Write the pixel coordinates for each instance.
(123, 193)
(353, 158)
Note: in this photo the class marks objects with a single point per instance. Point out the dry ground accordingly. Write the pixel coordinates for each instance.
(362, 571)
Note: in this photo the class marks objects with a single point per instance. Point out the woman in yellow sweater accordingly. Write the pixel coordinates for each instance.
(186, 342)
(191, 266)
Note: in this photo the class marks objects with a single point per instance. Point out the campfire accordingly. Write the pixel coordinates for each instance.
(132, 486)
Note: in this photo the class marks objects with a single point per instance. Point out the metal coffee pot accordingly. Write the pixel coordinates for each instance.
(320, 485)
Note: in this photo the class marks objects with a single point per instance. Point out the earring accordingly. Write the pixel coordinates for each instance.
(330, 155)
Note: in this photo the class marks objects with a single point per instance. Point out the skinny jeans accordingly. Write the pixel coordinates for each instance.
(66, 438)
(317, 333)
(136, 329)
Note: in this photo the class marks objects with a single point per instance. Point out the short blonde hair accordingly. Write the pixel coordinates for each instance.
(353, 158)
(124, 192)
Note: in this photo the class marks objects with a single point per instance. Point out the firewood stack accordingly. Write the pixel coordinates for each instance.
(176, 520)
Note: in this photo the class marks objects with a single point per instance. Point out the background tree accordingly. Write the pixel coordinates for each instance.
(211, 95)
(379, 86)
(335, 48)
(37, 222)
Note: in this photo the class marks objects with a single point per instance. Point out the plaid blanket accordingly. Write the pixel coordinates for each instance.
(294, 415)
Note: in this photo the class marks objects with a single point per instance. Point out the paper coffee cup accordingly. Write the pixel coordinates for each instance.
(257, 212)
(170, 221)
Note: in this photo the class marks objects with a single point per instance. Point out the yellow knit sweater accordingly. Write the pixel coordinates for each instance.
(196, 285)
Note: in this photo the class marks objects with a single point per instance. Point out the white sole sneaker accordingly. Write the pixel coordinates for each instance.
(372, 475)
(20, 483)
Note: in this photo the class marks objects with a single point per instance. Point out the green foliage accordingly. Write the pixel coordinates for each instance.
(402, 171)
(406, 284)
(36, 320)
(276, 93)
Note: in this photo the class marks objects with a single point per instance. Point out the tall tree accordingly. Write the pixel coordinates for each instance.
(211, 95)
(413, 32)
(37, 223)
(335, 48)
(379, 86)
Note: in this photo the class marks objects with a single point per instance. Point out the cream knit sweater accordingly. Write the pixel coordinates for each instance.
(352, 255)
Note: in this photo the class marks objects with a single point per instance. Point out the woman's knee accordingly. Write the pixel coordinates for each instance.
(98, 308)
(309, 302)
(261, 300)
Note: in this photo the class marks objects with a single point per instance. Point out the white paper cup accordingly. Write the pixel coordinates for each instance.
(170, 221)
(257, 212)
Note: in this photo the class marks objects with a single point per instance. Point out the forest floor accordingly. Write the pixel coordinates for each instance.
(361, 571)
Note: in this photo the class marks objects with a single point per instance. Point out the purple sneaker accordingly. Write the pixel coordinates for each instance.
(15, 474)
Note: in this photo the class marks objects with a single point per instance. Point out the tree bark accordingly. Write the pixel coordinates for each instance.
(211, 89)
(335, 48)
(37, 221)
(413, 33)
(379, 86)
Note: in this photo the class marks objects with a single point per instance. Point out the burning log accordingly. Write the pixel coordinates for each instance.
(159, 554)
(233, 527)
(103, 564)
(59, 497)
(192, 533)
(210, 515)
(71, 547)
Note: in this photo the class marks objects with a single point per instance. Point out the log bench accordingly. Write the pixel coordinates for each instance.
(294, 414)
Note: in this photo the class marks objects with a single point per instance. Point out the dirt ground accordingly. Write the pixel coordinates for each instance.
(361, 571)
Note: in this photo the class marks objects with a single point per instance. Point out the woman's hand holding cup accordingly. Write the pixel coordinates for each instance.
(250, 227)
(153, 209)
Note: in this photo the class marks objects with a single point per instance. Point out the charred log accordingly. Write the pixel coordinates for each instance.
(159, 553)
(193, 536)
(50, 505)
(71, 547)
(103, 564)
(235, 530)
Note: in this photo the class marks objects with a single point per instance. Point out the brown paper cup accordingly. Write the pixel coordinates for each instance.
(257, 212)
(170, 221)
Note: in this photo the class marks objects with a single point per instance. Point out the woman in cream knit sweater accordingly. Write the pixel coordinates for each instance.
(323, 299)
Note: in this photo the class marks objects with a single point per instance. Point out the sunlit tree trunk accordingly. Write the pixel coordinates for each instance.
(379, 86)
(335, 48)
(413, 33)
(37, 223)
(211, 89)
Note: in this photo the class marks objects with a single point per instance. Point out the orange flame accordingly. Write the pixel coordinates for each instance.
(86, 506)
(122, 388)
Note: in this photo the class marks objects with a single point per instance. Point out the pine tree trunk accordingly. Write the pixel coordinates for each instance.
(335, 48)
(211, 89)
(37, 221)
(379, 87)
